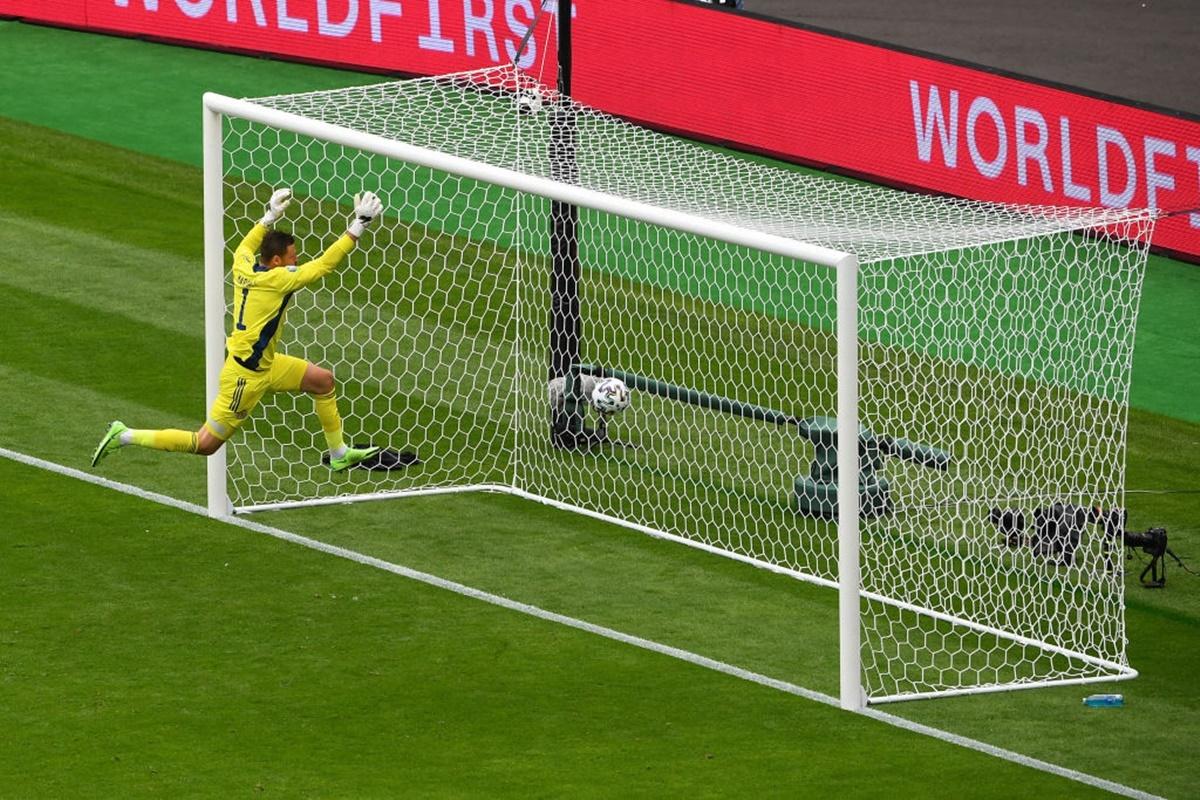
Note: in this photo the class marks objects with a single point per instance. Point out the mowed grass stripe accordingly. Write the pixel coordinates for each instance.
(105, 273)
(260, 653)
(136, 94)
(60, 179)
(62, 422)
(61, 417)
(115, 344)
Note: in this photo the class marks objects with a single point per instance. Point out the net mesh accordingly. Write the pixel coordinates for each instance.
(998, 336)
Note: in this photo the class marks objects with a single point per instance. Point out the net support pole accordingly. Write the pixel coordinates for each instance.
(214, 296)
(564, 217)
(849, 580)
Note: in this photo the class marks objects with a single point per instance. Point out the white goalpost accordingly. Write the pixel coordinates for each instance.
(977, 356)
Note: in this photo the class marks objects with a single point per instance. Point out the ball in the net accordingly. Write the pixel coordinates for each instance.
(610, 396)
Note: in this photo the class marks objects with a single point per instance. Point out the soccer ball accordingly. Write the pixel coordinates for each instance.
(610, 396)
(529, 102)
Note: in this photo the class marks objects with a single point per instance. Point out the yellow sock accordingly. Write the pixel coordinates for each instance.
(176, 441)
(331, 421)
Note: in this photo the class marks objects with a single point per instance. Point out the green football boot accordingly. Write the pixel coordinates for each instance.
(111, 442)
(351, 458)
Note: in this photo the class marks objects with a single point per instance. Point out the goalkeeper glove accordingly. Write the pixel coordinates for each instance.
(278, 204)
(366, 208)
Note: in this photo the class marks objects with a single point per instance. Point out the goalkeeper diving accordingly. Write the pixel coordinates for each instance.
(265, 276)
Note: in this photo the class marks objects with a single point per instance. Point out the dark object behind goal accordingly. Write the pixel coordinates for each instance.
(1058, 530)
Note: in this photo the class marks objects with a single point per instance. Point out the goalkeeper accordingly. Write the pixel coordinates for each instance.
(262, 289)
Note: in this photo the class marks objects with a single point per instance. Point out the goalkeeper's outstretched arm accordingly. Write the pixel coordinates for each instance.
(247, 250)
(366, 208)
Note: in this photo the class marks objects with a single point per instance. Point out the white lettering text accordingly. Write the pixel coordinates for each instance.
(194, 8)
(935, 121)
(520, 29)
(1193, 155)
(1027, 150)
(983, 106)
(1070, 188)
(260, 19)
(1156, 180)
(286, 23)
(482, 23)
(325, 27)
(1106, 138)
(435, 41)
(379, 9)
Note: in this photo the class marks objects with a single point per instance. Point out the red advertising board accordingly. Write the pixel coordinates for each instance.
(754, 83)
(419, 37)
(902, 118)
(57, 12)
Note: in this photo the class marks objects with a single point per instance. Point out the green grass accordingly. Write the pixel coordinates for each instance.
(508, 546)
(174, 655)
(133, 94)
(103, 316)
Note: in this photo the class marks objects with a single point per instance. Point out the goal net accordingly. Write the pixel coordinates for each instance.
(994, 348)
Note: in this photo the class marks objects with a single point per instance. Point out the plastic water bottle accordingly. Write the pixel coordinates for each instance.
(1104, 700)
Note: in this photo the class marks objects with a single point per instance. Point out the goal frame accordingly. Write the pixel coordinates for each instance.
(216, 107)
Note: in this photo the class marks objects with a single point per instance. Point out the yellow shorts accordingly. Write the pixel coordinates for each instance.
(241, 389)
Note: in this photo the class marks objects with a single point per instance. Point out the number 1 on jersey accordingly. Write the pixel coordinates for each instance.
(241, 326)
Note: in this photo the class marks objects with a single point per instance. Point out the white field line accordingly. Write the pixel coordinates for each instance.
(578, 624)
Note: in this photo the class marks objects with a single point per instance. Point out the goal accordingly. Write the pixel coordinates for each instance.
(977, 358)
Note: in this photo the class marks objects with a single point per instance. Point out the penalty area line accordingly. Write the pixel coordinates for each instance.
(582, 625)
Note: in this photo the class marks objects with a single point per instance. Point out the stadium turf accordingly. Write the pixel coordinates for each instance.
(102, 314)
(176, 656)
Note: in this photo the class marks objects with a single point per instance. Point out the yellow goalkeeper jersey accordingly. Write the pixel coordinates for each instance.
(261, 297)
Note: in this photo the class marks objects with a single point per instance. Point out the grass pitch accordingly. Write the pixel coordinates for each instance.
(136, 665)
(147, 651)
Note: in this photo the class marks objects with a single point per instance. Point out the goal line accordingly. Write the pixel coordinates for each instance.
(578, 624)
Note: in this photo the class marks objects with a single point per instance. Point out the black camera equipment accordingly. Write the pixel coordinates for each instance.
(1152, 542)
(1056, 532)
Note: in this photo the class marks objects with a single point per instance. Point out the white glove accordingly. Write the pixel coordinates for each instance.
(366, 208)
(278, 204)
